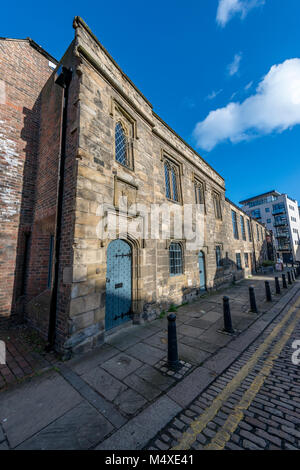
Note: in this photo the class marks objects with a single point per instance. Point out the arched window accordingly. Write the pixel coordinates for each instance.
(218, 257)
(175, 253)
(167, 180)
(121, 144)
(199, 192)
(172, 181)
(217, 205)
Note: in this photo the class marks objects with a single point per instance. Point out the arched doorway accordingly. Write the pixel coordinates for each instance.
(202, 274)
(118, 284)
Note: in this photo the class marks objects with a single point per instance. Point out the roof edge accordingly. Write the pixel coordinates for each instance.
(78, 20)
(35, 46)
(185, 143)
(241, 210)
(260, 195)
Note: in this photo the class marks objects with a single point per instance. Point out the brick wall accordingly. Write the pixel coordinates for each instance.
(23, 72)
(40, 281)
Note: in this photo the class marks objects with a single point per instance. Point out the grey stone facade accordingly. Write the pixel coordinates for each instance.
(101, 96)
(107, 95)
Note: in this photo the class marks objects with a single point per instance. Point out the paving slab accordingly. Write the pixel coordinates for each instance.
(122, 340)
(146, 353)
(142, 386)
(188, 330)
(121, 365)
(88, 361)
(104, 383)
(215, 337)
(159, 340)
(212, 316)
(139, 430)
(26, 409)
(191, 386)
(79, 429)
(129, 402)
(199, 323)
(199, 343)
(144, 331)
(191, 355)
(221, 360)
(156, 378)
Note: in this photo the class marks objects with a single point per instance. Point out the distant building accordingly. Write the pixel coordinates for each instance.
(279, 213)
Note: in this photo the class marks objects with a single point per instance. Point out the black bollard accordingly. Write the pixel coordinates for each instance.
(268, 291)
(295, 273)
(277, 286)
(173, 361)
(284, 284)
(227, 316)
(253, 307)
(289, 278)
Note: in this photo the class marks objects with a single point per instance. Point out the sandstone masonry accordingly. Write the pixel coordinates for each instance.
(101, 97)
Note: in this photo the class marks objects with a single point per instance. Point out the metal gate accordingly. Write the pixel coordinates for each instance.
(202, 275)
(118, 284)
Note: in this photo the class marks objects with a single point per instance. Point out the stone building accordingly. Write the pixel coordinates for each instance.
(98, 255)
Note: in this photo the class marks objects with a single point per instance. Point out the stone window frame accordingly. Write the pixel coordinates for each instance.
(248, 259)
(166, 158)
(219, 263)
(257, 233)
(249, 228)
(199, 182)
(235, 225)
(243, 227)
(128, 123)
(181, 244)
(239, 268)
(216, 197)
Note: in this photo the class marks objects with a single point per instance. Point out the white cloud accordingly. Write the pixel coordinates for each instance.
(213, 94)
(228, 8)
(274, 107)
(233, 68)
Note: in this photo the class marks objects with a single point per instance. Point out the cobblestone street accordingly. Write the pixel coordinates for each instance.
(254, 404)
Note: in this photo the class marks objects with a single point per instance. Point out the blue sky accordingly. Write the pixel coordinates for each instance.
(206, 66)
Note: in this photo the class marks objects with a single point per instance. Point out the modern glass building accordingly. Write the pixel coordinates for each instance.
(279, 213)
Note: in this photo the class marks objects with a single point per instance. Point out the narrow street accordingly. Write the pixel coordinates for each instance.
(254, 404)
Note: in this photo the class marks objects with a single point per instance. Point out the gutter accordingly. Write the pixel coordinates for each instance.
(63, 79)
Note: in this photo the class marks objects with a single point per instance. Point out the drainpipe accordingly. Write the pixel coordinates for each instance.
(253, 243)
(63, 79)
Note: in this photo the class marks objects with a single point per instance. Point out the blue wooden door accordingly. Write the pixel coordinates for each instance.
(201, 262)
(118, 284)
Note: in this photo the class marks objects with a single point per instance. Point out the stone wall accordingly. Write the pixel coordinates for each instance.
(101, 95)
(106, 94)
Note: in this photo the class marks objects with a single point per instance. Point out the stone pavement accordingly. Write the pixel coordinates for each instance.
(253, 405)
(119, 396)
(25, 354)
